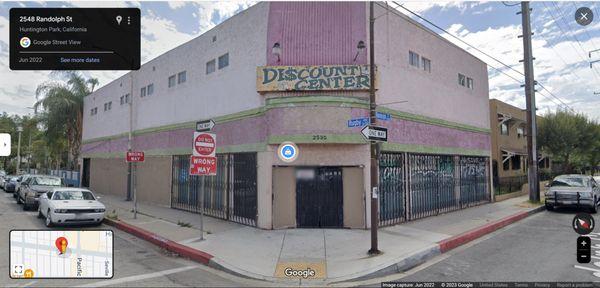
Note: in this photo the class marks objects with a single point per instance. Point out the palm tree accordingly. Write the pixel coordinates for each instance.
(61, 105)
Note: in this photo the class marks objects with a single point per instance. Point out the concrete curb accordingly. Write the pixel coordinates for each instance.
(404, 264)
(446, 245)
(182, 250)
(466, 237)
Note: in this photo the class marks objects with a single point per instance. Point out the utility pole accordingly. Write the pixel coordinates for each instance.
(373, 121)
(532, 160)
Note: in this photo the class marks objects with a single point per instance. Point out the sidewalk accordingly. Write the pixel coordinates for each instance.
(256, 253)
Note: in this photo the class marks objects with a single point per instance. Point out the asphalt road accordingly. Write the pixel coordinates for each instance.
(541, 247)
(137, 263)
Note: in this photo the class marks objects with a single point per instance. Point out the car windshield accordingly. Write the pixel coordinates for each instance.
(570, 182)
(47, 181)
(73, 195)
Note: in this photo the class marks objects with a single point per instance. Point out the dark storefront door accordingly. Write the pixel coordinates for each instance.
(319, 197)
(85, 178)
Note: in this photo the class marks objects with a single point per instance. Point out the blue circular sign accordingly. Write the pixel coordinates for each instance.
(287, 151)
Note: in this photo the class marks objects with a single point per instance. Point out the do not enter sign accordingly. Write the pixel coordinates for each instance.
(205, 144)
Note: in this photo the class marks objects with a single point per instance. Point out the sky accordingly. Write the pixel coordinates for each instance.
(560, 45)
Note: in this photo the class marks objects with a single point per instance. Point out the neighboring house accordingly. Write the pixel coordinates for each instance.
(509, 146)
(298, 71)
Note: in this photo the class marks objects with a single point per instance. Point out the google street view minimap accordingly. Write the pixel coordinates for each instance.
(61, 254)
(242, 143)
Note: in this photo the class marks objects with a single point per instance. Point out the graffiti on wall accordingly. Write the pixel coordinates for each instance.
(312, 78)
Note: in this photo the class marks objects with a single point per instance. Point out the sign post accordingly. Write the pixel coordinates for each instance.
(203, 161)
(133, 157)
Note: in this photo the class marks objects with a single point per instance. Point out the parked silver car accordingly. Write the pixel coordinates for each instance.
(33, 186)
(579, 191)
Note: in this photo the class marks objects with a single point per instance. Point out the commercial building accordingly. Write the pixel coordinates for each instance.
(509, 147)
(298, 71)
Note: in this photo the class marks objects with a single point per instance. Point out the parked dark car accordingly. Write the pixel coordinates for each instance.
(5, 181)
(35, 185)
(11, 184)
(580, 191)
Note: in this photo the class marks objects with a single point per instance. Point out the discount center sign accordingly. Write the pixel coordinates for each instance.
(205, 144)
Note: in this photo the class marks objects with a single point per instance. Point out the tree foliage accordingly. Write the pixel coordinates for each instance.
(61, 111)
(570, 138)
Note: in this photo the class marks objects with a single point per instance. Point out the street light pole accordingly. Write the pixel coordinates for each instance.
(373, 121)
(19, 129)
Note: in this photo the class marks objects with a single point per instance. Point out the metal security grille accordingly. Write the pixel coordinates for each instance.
(244, 198)
(319, 199)
(473, 181)
(392, 188)
(431, 185)
(231, 194)
(413, 186)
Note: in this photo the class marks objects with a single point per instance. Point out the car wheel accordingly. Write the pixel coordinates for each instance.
(594, 207)
(48, 220)
(18, 199)
(549, 207)
(40, 215)
(25, 206)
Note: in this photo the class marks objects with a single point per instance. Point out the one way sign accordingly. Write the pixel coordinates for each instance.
(374, 133)
(4, 144)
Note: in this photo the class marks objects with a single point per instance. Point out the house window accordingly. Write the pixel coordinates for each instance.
(94, 111)
(426, 64)
(214, 38)
(181, 77)
(122, 99)
(150, 89)
(469, 82)
(520, 132)
(461, 80)
(504, 129)
(413, 58)
(171, 81)
(107, 106)
(516, 162)
(143, 92)
(127, 98)
(210, 66)
(224, 61)
(506, 165)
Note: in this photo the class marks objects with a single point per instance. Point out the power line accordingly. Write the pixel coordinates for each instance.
(480, 51)
(561, 16)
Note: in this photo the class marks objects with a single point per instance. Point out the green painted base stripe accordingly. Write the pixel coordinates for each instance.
(432, 121)
(309, 139)
(397, 147)
(253, 147)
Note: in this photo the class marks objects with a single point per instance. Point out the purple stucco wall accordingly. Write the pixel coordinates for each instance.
(249, 130)
(294, 121)
(317, 33)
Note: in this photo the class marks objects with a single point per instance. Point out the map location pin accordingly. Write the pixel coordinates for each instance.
(61, 244)
(119, 18)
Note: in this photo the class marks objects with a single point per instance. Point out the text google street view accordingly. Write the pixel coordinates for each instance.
(295, 143)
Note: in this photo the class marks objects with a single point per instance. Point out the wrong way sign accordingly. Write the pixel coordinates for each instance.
(205, 144)
(203, 166)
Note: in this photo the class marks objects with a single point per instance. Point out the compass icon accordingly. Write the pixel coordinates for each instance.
(583, 223)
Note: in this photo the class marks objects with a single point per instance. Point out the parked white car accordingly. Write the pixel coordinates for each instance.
(70, 206)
